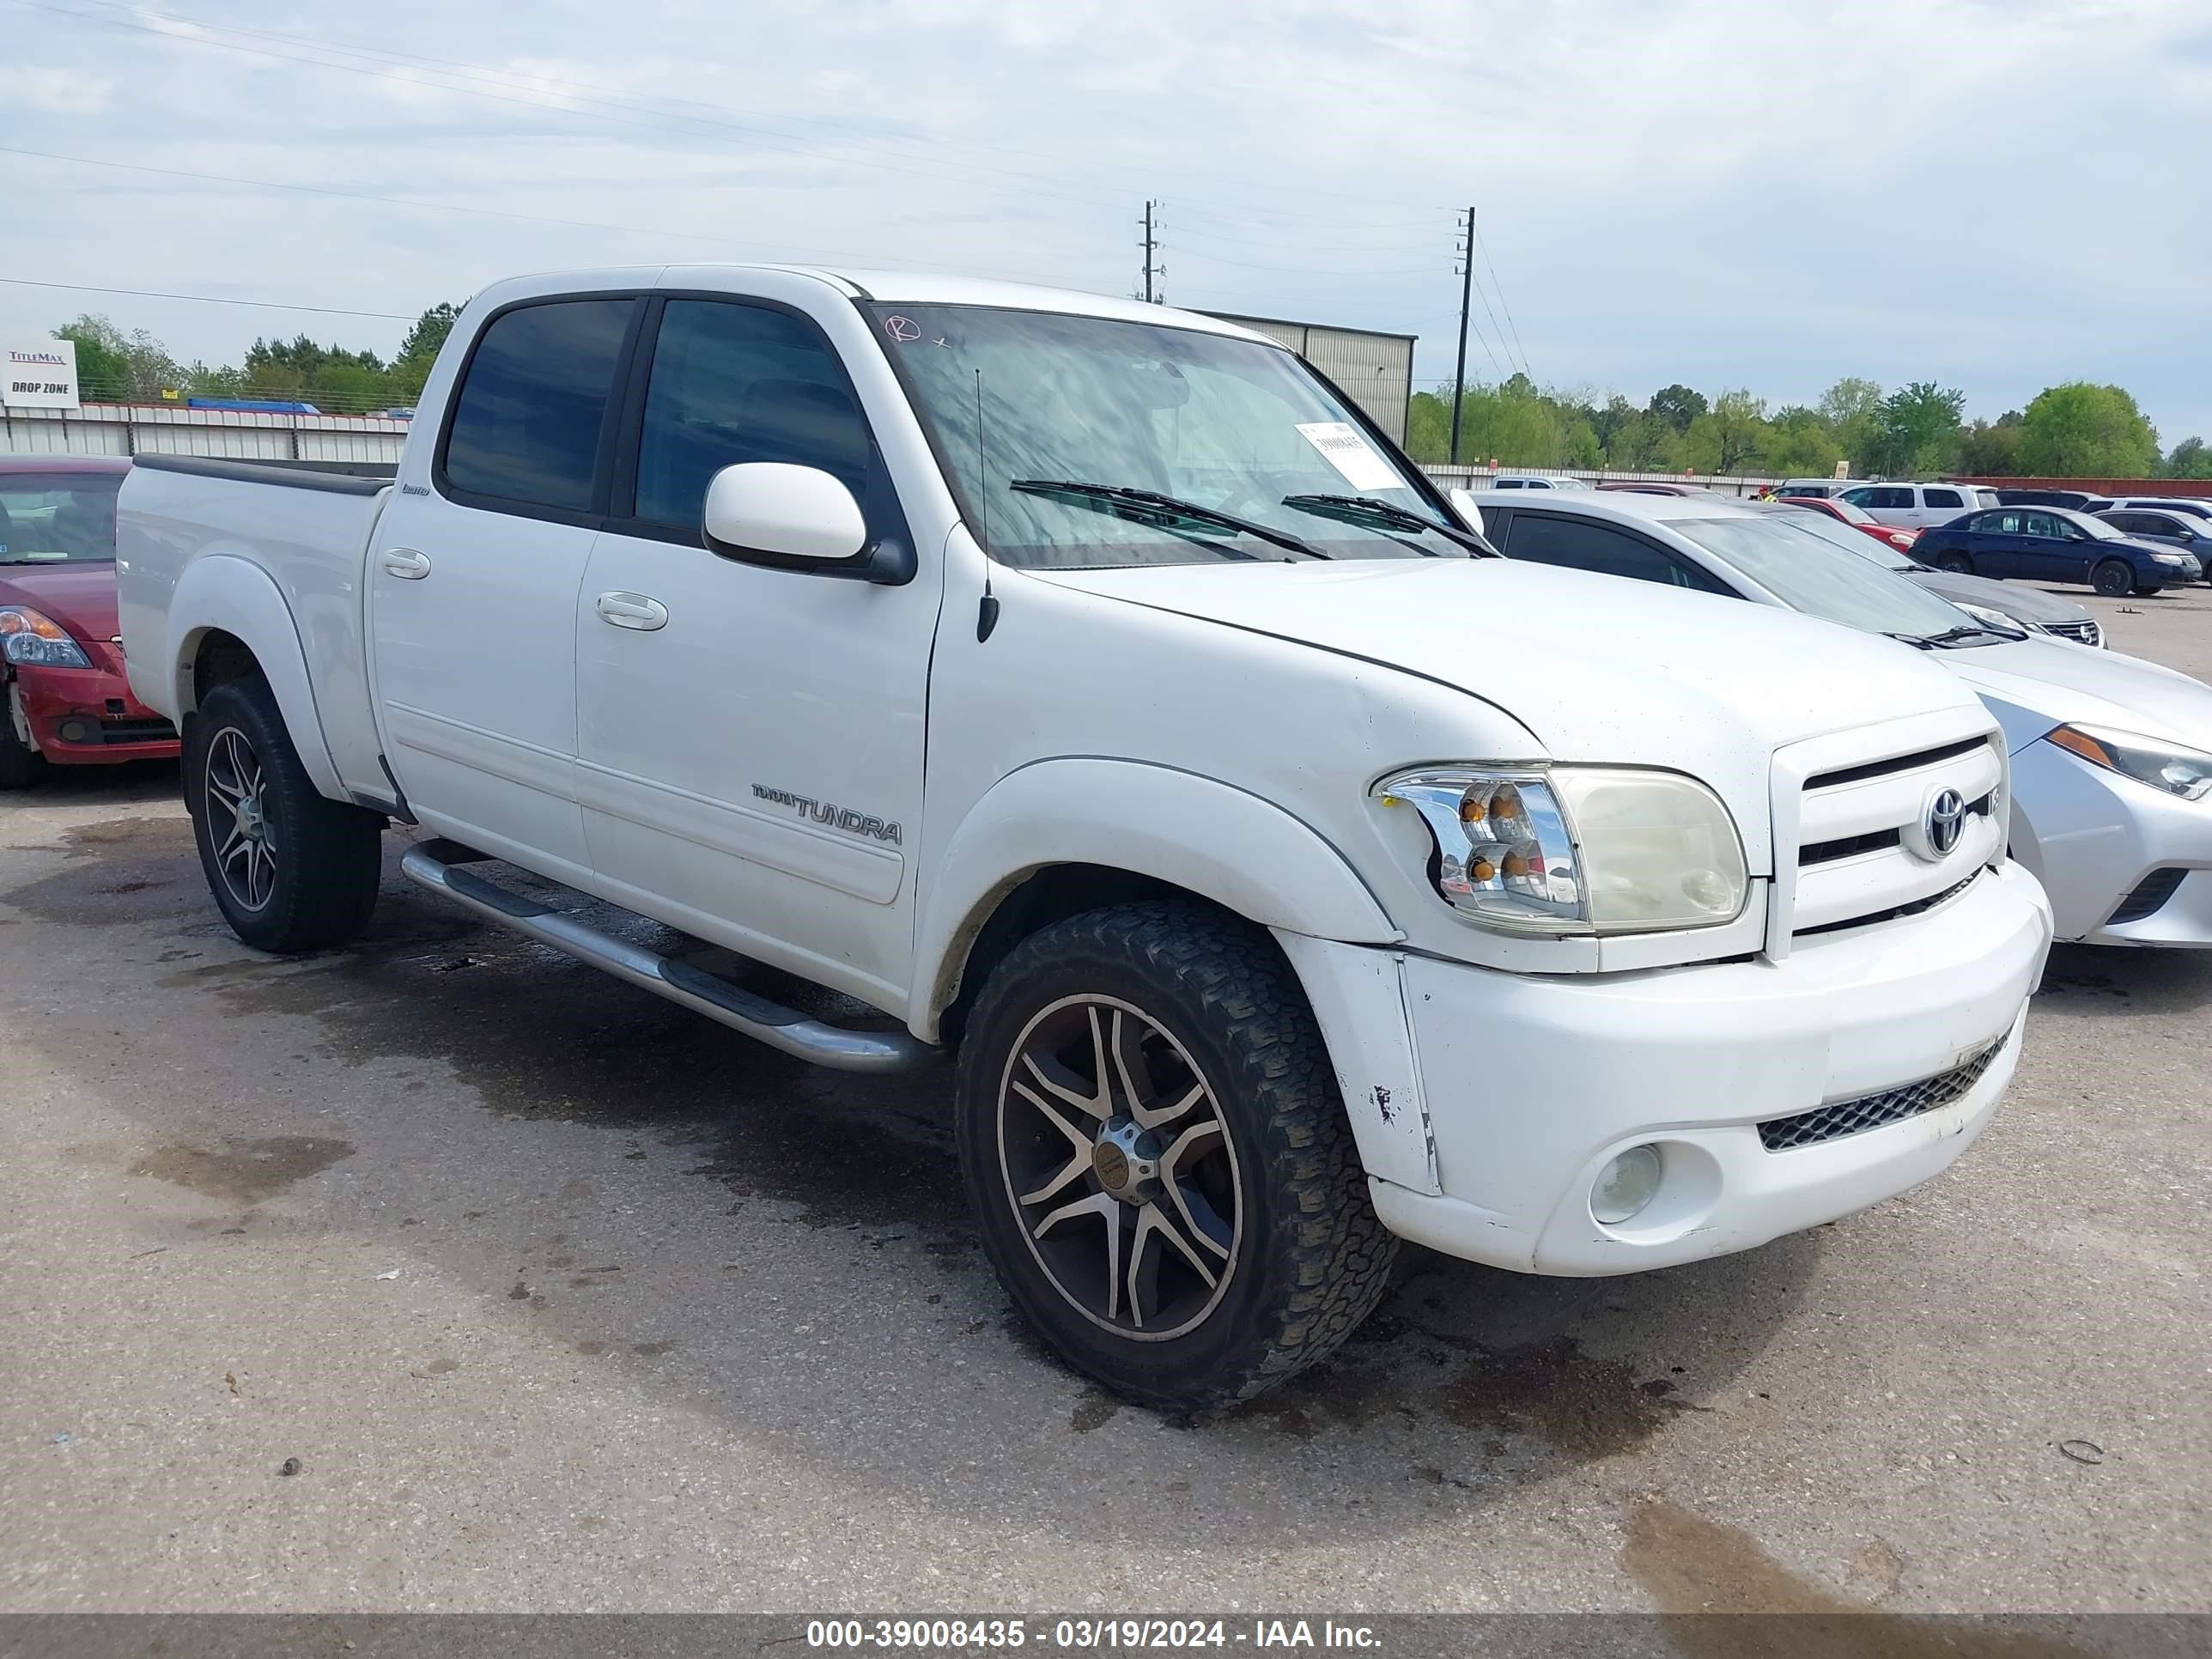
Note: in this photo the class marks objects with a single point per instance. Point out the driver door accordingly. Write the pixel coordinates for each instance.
(749, 739)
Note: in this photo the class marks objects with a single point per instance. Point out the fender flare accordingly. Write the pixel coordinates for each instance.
(1208, 838)
(227, 593)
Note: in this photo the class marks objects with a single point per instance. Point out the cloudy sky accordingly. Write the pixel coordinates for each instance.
(1770, 194)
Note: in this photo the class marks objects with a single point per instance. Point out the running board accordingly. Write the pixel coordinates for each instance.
(433, 865)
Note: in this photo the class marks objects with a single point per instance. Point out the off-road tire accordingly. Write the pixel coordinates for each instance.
(1310, 1260)
(2113, 578)
(328, 855)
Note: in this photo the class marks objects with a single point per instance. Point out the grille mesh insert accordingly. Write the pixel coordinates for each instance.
(1851, 1117)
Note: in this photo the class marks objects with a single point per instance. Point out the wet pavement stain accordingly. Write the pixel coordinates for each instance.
(1705, 1577)
(243, 1171)
(1584, 1408)
(1094, 1410)
(122, 872)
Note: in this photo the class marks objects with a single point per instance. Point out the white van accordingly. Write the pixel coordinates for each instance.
(1919, 506)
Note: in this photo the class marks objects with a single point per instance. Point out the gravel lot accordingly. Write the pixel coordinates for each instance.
(564, 1299)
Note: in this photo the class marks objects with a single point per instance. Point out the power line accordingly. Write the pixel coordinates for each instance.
(207, 299)
(1475, 232)
(453, 207)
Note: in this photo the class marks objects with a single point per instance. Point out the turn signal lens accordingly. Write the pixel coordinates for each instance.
(2184, 772)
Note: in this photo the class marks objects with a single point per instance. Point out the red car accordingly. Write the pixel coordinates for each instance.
(66, 701)
(1856, 518)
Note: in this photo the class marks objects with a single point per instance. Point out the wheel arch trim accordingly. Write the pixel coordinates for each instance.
(224, 592)
(1206, 837)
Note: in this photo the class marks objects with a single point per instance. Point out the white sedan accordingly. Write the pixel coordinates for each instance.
(2111, 756)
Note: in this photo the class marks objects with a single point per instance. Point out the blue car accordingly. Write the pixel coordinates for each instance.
(2054, 544)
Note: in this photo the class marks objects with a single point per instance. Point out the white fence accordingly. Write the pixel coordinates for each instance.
(226, 434)
(375, 441)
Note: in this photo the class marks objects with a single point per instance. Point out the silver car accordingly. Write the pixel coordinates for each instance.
(2111, 756)
(2034, 609)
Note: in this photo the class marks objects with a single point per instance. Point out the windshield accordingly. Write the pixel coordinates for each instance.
(1232, 427)
(2098, 529)
(1851, 541)
(57, 517)
(1810, 573)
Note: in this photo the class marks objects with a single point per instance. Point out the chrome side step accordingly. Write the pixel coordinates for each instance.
(433, 864)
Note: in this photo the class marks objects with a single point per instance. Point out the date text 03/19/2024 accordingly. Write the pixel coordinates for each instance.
(1093, 1634)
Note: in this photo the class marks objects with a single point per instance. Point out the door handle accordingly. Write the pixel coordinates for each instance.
(632, 610)
(406, 563)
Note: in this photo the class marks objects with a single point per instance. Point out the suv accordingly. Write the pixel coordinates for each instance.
(1918, 506)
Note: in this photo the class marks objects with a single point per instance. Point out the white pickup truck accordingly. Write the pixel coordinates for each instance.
(1093, 688)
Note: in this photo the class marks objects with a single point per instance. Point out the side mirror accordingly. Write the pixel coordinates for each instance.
(798, 518)
(796, 513)
(1463, 501)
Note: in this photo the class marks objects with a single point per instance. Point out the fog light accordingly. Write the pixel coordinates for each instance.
(1625, 1185)
(75, 731)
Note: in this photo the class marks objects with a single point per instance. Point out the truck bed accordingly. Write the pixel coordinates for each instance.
(306, 532)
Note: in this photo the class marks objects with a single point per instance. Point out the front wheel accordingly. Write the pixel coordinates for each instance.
(290, 870)
(2113, 578)
(1957, 563)
(1152, 1140)
(20, 763)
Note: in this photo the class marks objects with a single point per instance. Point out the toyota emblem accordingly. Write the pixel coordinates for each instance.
(1945, 820)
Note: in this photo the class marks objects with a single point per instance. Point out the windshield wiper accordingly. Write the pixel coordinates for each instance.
(1366, 511)
(1150, 508)
(1952, 636)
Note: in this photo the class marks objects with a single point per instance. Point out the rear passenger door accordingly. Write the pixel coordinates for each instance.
(1939, 504)
(1995, 541)
(472, 580)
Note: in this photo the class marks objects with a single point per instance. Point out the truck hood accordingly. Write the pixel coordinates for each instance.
(1596, 668)
(78, 594)
(2034, 684)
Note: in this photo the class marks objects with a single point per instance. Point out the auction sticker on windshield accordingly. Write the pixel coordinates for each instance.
(1343, 449)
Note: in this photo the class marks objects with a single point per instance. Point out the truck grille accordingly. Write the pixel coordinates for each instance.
(2085, 632)
(1851, 1117)
(1864, 853)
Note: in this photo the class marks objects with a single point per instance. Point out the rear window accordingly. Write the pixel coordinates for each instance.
(55, 518)
(527, 421)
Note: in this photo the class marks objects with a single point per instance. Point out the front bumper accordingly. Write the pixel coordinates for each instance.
(86, 716)
(1531, 1084)
(2096, 840)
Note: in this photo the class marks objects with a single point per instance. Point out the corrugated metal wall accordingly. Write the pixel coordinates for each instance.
(229, 434)
(1375, 370)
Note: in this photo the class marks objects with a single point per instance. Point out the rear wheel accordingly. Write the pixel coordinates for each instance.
(290, 870)
(1152, 1140)
(2113, 578)
(1957, 563)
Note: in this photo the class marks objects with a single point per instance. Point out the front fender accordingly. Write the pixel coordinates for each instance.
(226, 593)
(1207, 837)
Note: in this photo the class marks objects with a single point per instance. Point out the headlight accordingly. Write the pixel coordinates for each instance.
(2010, 627)
(1576, 849)
(33, 639)
(2169, 558)
(2184, 772)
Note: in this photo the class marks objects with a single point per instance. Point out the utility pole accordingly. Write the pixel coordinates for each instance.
(1152, 247)
(1466, 296)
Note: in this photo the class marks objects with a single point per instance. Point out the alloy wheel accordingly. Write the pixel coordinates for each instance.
(1119, 1168)
(239, 825)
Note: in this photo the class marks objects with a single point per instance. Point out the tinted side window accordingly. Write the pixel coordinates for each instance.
(1941, 498)
(1860, 497)
(2039, 524)
(732, 383)
(1893, 497)
(1506, 483)
(1581, 545)
(527, 421)
(2134, 523)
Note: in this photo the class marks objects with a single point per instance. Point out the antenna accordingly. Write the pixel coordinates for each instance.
(987, 612)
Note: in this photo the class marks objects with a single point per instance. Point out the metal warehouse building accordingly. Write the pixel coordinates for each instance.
(1376, 371)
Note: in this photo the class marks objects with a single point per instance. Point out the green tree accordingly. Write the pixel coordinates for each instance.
(113, 367)
(1918, 428)
(2189, 459)
(419, 351)
(1851, 409)
(1728, 439)
(1800, 444)
(1677, 405)
(1991, 449)
(2081, 430)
